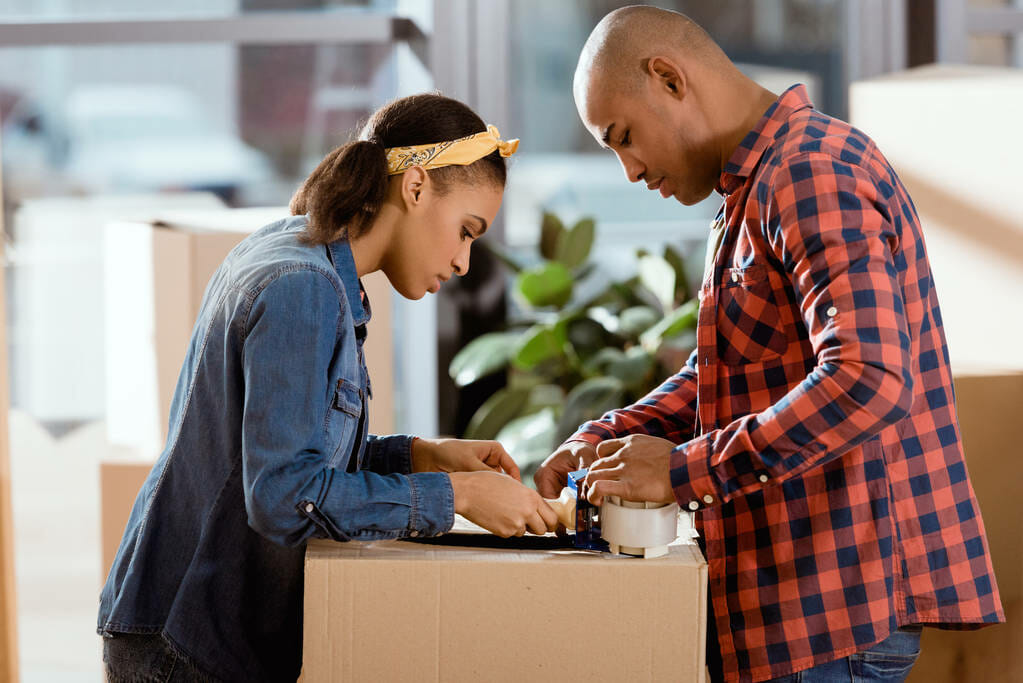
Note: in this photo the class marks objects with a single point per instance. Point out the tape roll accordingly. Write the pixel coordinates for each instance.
(633, 525)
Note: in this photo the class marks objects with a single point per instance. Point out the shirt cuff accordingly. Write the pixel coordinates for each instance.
(392, 454)
(592, 434)
(691, 478)
(433, 504)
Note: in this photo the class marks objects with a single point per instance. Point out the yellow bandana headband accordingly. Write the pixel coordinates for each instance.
(460, 152)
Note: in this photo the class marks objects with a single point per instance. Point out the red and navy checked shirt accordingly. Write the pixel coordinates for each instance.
(817, 430)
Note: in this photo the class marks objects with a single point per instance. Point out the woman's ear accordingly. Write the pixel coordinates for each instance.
(414, 181)
(670, 77)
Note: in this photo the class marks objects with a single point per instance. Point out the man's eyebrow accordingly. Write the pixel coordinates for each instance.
(605, 135)
(482, 221)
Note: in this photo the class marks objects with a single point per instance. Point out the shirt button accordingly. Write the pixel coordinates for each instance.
(763, 478)
(832, 312)
(309, 507)
(413, 533)
(693, 505)
(708, 499)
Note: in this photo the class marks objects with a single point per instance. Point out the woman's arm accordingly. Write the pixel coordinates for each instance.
(290, 492)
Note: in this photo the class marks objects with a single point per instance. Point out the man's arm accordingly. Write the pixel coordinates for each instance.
(829, 227)
(669, 411)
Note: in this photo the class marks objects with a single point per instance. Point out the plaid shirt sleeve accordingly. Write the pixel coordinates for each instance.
(669, 411)
(828, 228)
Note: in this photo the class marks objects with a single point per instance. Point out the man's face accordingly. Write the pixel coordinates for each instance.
(660, 139)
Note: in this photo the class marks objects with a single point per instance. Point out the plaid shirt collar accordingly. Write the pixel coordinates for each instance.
(747, 155)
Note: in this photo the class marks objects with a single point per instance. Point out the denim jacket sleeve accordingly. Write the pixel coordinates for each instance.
(293, 328)
(389, 454)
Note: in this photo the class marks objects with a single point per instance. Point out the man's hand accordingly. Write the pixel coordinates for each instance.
(552, 475)
(635, 468)
(459, 455)
(501, 504)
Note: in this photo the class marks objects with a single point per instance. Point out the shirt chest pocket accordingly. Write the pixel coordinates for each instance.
(750, 323)
(343, 420)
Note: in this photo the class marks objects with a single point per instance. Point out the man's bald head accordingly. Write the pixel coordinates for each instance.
(615, 55)
(655, 89)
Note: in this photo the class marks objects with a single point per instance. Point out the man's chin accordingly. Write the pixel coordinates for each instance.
(690, 200)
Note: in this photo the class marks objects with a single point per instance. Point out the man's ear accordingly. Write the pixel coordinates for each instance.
(414, 181)
(670, 77)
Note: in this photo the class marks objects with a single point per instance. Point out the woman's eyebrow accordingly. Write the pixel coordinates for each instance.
(483, 222)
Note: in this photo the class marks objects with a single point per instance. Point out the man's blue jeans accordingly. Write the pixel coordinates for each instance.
(888, 661)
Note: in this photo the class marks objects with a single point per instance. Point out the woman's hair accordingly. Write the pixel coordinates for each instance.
(345, 192)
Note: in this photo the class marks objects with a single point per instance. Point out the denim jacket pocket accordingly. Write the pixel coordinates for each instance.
(343, 420)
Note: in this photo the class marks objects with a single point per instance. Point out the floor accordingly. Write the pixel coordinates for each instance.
(55, 482)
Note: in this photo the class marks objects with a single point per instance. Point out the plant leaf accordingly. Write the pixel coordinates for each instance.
(496, 412)
(603, 315)
(682, 318)
(574, 247)
(598, 363)
(483, 355)
(501, 255)
(529, 440)
(549, 284)
(634, 320)
(658, 276)
(544, 396)
(552, 232)
(586, 335)
(589, 400)
(633, 368)
(677, 262)
(539, 344)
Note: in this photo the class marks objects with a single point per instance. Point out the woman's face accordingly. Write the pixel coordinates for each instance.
(432, 243)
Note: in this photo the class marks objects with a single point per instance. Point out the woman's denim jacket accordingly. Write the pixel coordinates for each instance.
(267, 448)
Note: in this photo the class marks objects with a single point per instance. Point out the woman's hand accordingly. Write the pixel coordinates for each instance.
(501, 504)
(461, 455)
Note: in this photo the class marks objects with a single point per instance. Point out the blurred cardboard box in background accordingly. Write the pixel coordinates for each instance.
(951, 133)
(989, 403)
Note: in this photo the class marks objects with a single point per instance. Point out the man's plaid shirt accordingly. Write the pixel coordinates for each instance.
(819, 444)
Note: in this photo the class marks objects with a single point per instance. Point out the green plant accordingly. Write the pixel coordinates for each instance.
(578, 350)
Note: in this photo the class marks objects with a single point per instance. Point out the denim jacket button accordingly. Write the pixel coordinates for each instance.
(413, 533)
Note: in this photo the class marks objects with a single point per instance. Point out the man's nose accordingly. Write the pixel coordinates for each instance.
(633, 168)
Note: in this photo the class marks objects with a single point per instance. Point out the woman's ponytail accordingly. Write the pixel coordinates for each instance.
(343, 193)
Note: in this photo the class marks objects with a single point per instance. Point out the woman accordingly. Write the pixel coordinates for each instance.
(267, 445)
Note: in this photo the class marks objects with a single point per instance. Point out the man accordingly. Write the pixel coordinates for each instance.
(813, 430)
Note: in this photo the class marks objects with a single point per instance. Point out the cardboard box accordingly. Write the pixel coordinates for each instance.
(400, 611)
(156, 274)
(119, 484)
(989, 404)
(961, 186)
